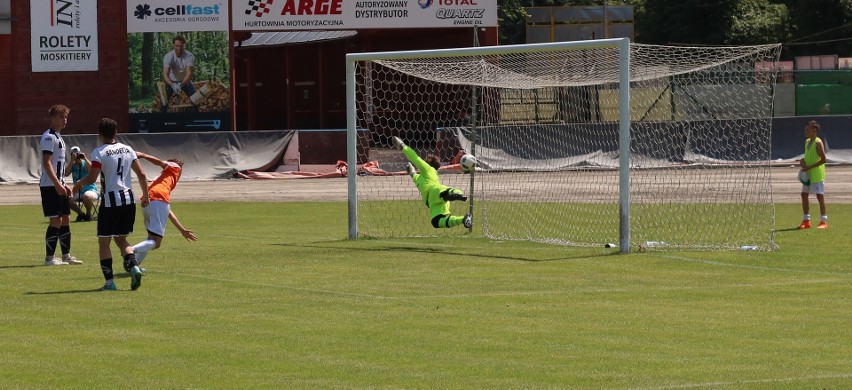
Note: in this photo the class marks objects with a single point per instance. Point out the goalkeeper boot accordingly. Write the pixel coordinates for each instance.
(467, 221)
(410, 169)
(806, 224)
(109, 287)
(398, 143)
(452, 194)
(822, 225)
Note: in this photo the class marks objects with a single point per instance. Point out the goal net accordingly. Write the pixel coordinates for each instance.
(545, 123)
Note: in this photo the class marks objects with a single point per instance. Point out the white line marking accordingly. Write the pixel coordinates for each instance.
(743, 382)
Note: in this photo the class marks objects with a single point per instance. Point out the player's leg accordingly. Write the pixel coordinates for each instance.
(65, 233)
(453, 194)
(106, 261)
(440, 210)
(51, 209)
(106, 222)
(806, 217)
(820, 195)
(447, 221)
(124, 226)
(156, 215)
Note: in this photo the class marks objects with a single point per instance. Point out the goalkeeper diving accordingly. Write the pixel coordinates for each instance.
(436, 196)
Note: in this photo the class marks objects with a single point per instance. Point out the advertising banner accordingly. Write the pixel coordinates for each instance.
(259, 15)
(179, 65)
(64, 35)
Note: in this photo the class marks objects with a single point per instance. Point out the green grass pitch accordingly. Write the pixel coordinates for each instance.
(273, 295)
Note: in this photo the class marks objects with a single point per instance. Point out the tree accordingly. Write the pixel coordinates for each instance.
(758, 22)
(819, 27)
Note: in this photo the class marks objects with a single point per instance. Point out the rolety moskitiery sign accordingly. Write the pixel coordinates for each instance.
(64, 36)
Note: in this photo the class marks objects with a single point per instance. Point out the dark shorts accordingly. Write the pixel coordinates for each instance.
(53, 204)
(116, 221)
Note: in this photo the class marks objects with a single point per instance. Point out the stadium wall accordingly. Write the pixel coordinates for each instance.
(207, 156)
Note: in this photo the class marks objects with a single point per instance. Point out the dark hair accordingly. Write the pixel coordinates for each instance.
(179, 38)
(814, 124)
(433, 161)
(107, 128)
(58, 109)
(176, 161)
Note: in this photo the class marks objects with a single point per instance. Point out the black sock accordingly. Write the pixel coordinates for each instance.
(65, 239)
(51, 237)
(130, 261)
(106, 268)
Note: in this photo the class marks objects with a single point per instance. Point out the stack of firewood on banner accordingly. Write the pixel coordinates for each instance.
(209, 96)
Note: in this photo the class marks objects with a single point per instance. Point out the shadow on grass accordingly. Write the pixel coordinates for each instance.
(62, 292)
(21, 266)
(792, 229)
(446, 252)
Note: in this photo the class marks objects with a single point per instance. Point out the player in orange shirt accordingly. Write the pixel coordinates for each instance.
(156, 213)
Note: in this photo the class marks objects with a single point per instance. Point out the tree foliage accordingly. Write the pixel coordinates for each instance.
(806, 27)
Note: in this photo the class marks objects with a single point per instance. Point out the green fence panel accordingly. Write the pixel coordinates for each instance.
(823, 99)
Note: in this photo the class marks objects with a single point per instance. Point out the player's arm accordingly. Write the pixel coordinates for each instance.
(820, 150)
(143, 181)
(61, 189)
(151, 159)
(94, 171)
(418, 162)
(188, 234)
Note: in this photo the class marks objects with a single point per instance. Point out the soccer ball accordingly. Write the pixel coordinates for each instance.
(467, 162)
(804, 178)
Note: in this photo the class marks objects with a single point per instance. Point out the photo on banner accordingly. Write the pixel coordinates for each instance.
(179, 67)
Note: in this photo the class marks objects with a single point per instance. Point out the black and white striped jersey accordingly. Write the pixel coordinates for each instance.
(51, 142)
(114, 161)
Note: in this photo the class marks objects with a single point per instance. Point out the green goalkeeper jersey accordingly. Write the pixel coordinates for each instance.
(428, 184)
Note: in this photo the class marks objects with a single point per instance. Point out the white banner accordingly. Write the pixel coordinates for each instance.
(64, 35)
(170, 15)
(259, 15)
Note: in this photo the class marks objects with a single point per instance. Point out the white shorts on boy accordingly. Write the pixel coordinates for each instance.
(816, 188)
(156, 216)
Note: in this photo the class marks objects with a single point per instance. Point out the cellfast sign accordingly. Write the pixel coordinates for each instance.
(170, 15)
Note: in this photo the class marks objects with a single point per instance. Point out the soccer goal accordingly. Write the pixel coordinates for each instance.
(578, 143)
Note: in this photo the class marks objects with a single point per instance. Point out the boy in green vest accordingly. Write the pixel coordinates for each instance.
(814, 165)
(436, 196)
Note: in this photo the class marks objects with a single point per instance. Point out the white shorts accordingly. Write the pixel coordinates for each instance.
(816, 188)
(156, 215)
(94, 194)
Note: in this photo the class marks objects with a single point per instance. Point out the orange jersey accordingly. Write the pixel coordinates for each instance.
(161, 188)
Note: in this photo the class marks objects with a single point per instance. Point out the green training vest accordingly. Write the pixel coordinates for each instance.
(817, 174)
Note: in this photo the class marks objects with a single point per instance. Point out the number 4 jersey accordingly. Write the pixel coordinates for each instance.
(114, 161)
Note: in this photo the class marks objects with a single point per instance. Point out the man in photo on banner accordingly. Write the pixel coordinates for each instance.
(178, 69)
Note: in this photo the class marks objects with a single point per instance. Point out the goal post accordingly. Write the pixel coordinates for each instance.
(578, 143)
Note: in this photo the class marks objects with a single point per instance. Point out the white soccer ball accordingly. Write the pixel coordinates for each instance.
(467, 162)
(804, 178)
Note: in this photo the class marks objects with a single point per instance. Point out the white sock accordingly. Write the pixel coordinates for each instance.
(142, 249)
(806, 217)
(140, 255)
(823, 218)
(145, 246)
